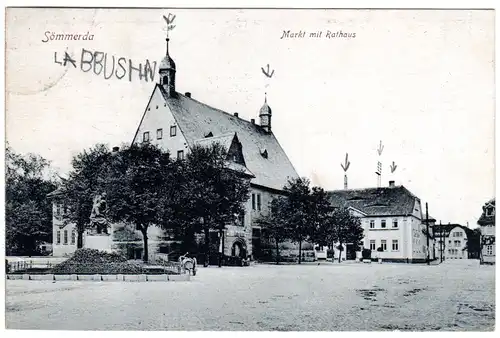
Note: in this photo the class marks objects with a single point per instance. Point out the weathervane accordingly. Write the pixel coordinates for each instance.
(169, 20)
(345, 166)
(379, 165)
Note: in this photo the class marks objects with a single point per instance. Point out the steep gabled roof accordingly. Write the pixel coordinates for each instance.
(384, 201)
(196, 119)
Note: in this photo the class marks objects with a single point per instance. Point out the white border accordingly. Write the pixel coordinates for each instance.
(388, 4)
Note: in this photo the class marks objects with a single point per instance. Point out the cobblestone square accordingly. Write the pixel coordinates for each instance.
(453, 296)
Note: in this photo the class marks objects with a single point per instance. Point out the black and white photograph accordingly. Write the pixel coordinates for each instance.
(249, 169)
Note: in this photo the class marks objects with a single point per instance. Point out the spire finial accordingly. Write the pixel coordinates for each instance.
(169, 20)
(265, 97)
(167, 39)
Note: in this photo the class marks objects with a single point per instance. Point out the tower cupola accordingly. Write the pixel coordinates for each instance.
(265, 116)
(167, 73)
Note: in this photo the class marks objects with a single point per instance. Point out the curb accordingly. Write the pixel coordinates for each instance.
(101, 278)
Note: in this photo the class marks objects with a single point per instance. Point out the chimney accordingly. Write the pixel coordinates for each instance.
(392, 184)
(236, 114)
(253, 121)
(188, 94)
(115, 149)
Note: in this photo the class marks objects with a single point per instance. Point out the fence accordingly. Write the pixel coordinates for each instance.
(35, 263)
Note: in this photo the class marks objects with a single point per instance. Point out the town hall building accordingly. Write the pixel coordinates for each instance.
(177, 122)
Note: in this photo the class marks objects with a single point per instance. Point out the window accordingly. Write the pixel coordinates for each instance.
(180, 154)
(73, 237)
(489, 249)
(253, 201)
(372, 224)
(258, 202)
(241, 219)
(65, 237)
(145, 136)
(383, 244)
(457, 243)
(394, 223)
(159, 134)
(372, 244)
(395, 245)
(165, 80)
(58, 237)
(489, 212)
(383, 224)
(173, 131)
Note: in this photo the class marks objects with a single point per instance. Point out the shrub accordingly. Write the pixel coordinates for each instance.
(91, 261)
(366, 254)
(95, 256)
(329, 253)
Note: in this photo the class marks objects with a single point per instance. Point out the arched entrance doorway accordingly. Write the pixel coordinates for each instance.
(239, 248)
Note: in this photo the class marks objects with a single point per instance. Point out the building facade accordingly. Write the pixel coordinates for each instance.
(451, 241)
(487, 224)
(393, 222)
(118, 237)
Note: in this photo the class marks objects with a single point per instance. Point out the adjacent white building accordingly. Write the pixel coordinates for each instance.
(392, 219)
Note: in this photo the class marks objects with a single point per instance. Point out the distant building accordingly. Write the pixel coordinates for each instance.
(452, 240)
(487, 223)
(392, 219)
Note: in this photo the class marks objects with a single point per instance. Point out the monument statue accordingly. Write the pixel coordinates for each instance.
(98, 219)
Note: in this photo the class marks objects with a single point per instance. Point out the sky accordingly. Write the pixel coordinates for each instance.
(420, 81)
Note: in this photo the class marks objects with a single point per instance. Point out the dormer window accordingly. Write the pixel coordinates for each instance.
(209, 134)
(263, 152)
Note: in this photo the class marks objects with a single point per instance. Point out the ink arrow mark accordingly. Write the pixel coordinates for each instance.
(266, 73)
(170, 19)
(347, 163)
(380, 149)
(393, 167)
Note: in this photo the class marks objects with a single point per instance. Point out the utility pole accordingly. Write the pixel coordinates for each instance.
(428, 234)
(441, 241)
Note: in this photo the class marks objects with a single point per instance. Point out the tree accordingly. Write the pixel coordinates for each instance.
(323, 223)
(274, 223)
(298, 211)
(135, 185)
(347, 228)
(473, 245)
(28, 212)
(83, 185)
(214, 192)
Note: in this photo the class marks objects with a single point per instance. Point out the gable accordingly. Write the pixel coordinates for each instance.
(157, 115)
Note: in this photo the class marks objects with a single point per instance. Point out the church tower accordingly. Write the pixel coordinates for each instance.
(265, 116)
(167, 74)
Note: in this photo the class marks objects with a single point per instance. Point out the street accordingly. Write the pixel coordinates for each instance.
(454, 296)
